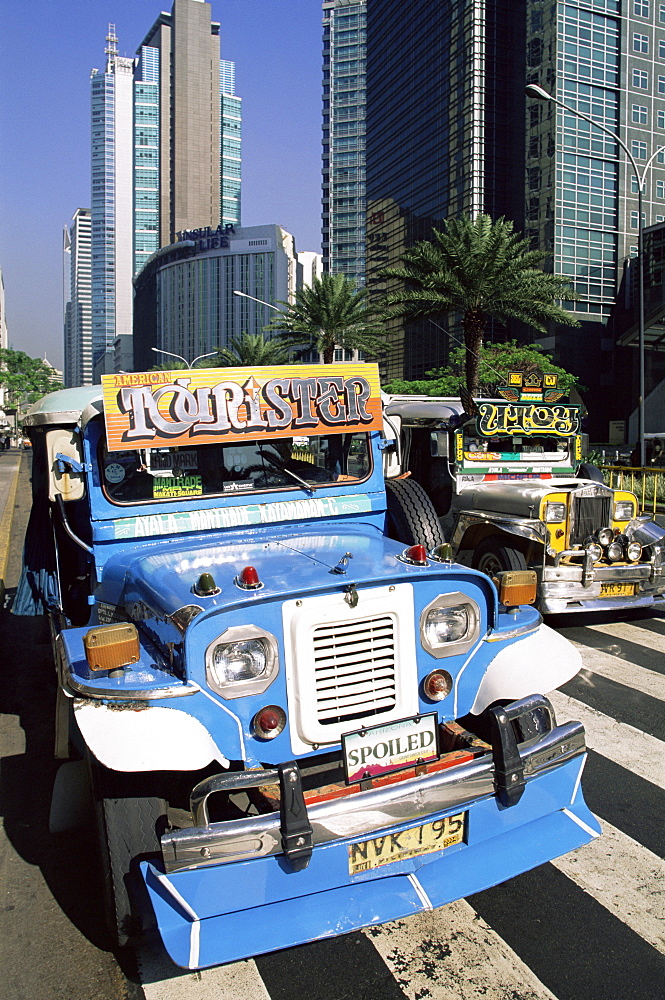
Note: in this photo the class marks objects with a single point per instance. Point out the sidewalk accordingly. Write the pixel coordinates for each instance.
(10, 464)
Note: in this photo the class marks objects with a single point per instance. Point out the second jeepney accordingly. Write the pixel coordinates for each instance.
(508, 479)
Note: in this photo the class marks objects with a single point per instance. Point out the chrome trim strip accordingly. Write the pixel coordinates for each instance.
(514, 633)
(363, 813)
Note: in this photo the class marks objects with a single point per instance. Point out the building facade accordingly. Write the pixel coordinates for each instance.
(445, 136)
(184, 297)
(78, 311)
(166, 156)
(343, 202)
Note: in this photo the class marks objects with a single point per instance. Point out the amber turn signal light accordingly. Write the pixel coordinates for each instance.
(108, 647)
(516, 586)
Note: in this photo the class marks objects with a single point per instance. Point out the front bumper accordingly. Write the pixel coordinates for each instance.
(229, 890)
(578, 586)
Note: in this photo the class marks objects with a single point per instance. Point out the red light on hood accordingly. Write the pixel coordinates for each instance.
(415, 554)
(248, 579)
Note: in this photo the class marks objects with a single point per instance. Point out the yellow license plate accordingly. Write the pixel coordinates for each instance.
(617, 589)
(425, 839)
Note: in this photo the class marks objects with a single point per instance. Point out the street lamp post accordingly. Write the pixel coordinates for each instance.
(244, 295)
(188, 364)
(533, 90)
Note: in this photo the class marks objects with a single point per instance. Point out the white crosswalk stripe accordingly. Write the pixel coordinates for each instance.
(453, 952)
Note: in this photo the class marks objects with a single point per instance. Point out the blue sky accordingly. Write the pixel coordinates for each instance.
(47, 49)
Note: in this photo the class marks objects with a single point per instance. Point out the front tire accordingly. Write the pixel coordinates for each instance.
(412, 518)
(493, 556)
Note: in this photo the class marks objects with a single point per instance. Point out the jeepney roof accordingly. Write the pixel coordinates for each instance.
(429, 408)
(66, 406)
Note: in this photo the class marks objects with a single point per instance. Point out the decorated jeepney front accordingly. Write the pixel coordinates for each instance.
(519, 500)
(300, 717)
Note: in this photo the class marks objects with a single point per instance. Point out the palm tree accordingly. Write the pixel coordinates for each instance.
(251, 349)
(330, 313)
(482, 269)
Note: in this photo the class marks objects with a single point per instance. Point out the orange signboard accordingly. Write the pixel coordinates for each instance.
(209, 405)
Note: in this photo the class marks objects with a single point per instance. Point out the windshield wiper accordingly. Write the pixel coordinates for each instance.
(287, 471)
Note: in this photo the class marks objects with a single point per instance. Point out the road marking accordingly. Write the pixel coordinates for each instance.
(632, 633)
(452, 952)
(162, 980)
(637, 678)
(638, 752)
(625, 878)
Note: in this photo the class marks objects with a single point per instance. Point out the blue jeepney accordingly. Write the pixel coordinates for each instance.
(295, 714)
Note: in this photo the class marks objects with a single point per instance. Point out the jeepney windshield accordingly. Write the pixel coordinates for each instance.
(162, 474)
(479, 449)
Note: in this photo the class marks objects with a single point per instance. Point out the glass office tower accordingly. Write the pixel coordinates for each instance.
(445, 135)
(231, 144)
(146, 155)
(343, 231)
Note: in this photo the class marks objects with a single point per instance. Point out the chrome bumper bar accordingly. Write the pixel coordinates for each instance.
(501, 772)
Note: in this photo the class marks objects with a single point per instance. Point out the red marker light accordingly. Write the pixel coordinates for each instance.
(269, 722)
(248, 579)
(416, 554)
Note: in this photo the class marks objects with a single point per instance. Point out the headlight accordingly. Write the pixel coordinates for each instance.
(615, 551)
(555, 512)
(633, 551)
(449, 625)
(624, 510)
(592, 545)
(605, 536)
(242, 661)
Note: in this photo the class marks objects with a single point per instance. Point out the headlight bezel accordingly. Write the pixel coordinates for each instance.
(623, 517)
(450, 602)
(247, 686)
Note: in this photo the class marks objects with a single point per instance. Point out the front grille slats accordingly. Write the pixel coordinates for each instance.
(589, 514)
(354, 668)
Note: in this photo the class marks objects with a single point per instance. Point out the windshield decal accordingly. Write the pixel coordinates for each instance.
(211, 405)
(151, 525)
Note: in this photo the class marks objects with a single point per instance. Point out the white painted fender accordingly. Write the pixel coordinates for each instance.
(146, 739)
(536, 664)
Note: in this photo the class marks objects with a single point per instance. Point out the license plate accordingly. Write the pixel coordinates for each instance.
(618, 589)
(395, 746)
(411, 843)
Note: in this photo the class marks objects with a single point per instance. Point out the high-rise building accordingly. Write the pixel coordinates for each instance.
(344, 41)
(445, 135)
(231, 158)
(166, 157)
(449, 131)
(78, 311)
(605, 59)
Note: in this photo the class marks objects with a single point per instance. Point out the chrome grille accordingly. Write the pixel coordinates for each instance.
(354, 669)
(589, 514)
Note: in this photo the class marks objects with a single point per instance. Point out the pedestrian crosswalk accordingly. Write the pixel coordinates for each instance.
(589, 925)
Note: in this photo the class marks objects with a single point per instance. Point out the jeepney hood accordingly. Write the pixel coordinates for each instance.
(288, 564)
(520, 497)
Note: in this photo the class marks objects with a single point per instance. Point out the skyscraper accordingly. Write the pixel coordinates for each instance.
(344, 39)
(445, 135)
(159, 165)
(78, 315)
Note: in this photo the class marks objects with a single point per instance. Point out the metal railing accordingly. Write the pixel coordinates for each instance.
(648, 484)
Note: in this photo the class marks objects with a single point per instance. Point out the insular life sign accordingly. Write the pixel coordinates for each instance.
(157, 409)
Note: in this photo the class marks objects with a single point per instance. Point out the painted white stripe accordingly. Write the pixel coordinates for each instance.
(235, 718)
(625, 878)
(422, 895)
(632, 633)
(638, 752)
(578, 780)
(615, 669)
(451, 952)
(194, 944)
(580, 822)
(162, 980)
(172, 891)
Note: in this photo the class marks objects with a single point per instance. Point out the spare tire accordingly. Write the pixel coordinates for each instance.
(412, 518)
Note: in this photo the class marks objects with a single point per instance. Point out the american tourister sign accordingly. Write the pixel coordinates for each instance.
(211, 405)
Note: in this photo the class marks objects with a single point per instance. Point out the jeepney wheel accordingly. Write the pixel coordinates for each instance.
(412, 517)
(128, 829)
(492, 556)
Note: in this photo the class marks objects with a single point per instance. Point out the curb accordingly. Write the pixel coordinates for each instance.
(5, 528)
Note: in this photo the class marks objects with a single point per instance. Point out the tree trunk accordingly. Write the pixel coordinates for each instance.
(474, 327)
(328, 354)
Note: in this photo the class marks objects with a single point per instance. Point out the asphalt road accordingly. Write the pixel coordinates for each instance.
(589, 925)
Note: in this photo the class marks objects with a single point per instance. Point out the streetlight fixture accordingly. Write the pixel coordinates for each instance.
(188, 364)
(262, 302)
(533, 90)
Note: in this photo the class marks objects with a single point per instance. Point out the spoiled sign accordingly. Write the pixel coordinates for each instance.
(211, 405)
